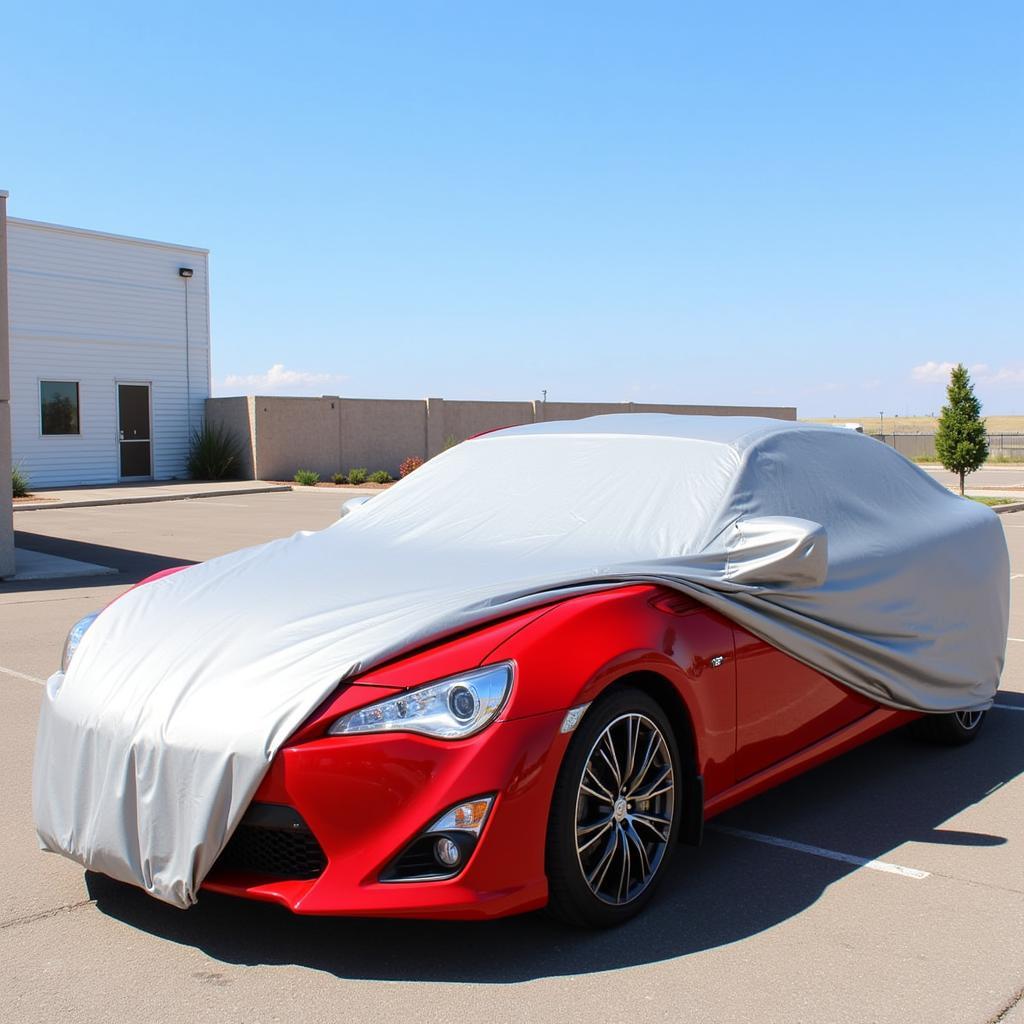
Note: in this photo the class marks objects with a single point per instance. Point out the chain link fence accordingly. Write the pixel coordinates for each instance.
(922, 446)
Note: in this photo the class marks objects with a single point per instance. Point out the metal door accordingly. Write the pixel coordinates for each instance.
(134, 431)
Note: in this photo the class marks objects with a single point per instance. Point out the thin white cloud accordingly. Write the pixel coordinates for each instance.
(1004, 375)
(931, 373)
(279, 380)
(981, 373)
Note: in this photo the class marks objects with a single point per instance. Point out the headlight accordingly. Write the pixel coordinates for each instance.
(449, 709)
(75, 635)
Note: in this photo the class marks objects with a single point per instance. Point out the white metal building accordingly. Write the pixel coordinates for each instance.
(110, 354)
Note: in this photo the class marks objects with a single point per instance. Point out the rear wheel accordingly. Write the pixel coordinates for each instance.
(952, 730)
(615, 812)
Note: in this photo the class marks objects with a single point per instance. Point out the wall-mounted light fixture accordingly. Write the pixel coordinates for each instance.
(184, 271)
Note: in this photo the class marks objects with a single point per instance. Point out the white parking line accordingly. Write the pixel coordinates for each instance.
(1017, 576)
(1008, 707)
(21, 675)
(818, 851)
(214, 503)
(1016, 639)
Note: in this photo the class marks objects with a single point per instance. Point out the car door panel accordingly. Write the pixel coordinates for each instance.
(783, 706)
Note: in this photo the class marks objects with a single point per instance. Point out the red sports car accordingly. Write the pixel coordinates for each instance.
(551, 755)
(593, 735)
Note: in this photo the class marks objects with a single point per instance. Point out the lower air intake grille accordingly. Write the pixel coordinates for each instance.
(273, 840)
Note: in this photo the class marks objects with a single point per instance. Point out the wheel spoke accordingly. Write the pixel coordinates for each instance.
(601, 827)
(632, 836)
(627, 866)
(653, 746)
(584, 788)
(660, 826)
(632, 742)
(657, 787)
(585, 830)
(613, 763)
(599, 784)
(596, 877)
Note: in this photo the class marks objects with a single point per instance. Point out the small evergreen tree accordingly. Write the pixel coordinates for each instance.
(961, 442)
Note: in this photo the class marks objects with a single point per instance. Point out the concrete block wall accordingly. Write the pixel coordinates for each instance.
(333, 434)
(378, 434)
(467, 419)
(236, 416)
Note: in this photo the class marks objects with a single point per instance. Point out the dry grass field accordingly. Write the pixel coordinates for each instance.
(921, 424)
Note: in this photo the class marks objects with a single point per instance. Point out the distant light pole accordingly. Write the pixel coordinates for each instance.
(544, 396)
(881, 425)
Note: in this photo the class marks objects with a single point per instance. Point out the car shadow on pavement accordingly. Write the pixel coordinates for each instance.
(890, 792)
(131, 565)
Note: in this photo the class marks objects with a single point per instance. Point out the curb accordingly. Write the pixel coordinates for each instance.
(148, 498)
(1017, 506)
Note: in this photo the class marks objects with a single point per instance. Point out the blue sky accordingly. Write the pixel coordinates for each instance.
(788, 203)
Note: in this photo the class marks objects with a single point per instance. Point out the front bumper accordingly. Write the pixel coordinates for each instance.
(364, 798)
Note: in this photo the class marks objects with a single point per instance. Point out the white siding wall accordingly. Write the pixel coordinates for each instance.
(100, 309)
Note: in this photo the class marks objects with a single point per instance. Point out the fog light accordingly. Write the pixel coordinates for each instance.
(447, 852)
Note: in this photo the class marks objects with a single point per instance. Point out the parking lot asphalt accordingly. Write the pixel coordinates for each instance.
(765, 922)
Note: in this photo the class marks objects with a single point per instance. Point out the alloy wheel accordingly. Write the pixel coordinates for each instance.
(624, 809)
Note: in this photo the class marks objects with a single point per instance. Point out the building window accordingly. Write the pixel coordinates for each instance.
(58, 401)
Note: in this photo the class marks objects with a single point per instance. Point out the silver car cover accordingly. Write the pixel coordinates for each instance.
(824, 542)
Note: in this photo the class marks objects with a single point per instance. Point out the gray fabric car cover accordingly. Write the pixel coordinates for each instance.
(824, 542)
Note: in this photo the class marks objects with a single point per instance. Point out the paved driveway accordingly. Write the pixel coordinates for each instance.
(743, 930)
(985, 479)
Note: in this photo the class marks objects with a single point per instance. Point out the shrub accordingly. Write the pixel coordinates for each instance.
(19, 483)
(357, 476)
(338, 478)
(214, 453)
(411, 463)
(307, 477)
(450, 442)
(380, 476)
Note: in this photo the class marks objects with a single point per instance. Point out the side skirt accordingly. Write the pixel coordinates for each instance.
(874, 724)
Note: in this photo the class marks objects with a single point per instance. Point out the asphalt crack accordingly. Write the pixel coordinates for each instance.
(974, 881)
(1001, 1015)
(66, 908)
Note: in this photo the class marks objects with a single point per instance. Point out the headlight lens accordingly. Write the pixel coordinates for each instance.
(449, 709)
(75, 635)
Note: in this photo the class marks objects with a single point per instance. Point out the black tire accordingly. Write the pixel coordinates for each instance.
(953, 730)
(640, 841)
